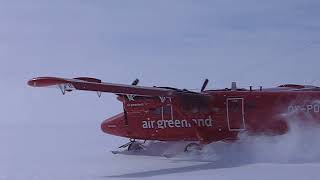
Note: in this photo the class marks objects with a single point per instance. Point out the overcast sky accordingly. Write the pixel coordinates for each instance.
(177, 43)
(165, 42)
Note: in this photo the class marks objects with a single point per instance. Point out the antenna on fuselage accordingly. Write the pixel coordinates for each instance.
(205, 83)
(233, 86)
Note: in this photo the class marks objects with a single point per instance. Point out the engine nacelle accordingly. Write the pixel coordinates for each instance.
(89, 79)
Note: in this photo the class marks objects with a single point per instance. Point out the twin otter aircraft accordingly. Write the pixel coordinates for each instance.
(170, 114)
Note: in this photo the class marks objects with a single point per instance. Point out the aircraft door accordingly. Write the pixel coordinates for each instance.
(235, 114)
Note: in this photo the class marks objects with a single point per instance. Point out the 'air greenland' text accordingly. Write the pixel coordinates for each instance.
(163, 124)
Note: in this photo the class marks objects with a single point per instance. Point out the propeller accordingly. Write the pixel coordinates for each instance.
(205, 83)
(135, 82)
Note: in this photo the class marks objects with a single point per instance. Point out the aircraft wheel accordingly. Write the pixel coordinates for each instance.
(135, 146)
(193, 147)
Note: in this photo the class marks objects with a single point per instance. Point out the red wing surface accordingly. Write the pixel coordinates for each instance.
(92, 84)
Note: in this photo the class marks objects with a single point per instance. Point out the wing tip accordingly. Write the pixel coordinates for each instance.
(45, 81)
(32, 82)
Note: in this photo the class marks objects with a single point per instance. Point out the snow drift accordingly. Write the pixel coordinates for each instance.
(299, 145)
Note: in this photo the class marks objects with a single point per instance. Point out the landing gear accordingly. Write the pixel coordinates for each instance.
(193, 147)
(133, 145)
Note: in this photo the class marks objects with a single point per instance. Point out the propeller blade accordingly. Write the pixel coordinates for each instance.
(205, 83)
(135, 82)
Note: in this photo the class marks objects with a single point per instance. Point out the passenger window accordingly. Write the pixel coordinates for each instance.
(234, 107)
(215, 109)
(195, 104)
(204, 109)
(251, 105)
(156, 111)
(195, 109)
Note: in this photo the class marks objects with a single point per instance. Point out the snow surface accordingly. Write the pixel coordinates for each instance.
(55, 153)
(46, 136)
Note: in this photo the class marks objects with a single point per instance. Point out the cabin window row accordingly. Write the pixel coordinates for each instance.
(194, 109)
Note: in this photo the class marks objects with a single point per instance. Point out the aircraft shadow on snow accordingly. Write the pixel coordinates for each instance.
(223, 158)
(219, 156)
(192, 168)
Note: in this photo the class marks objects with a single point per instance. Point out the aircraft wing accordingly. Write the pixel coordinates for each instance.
(92, 84)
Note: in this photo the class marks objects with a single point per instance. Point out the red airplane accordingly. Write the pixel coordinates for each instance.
(170, 114)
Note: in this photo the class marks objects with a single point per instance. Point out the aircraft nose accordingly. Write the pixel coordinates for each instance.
(114, 125)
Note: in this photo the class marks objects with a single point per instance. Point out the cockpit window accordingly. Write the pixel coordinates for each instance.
(166, 109)
(160, 110)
